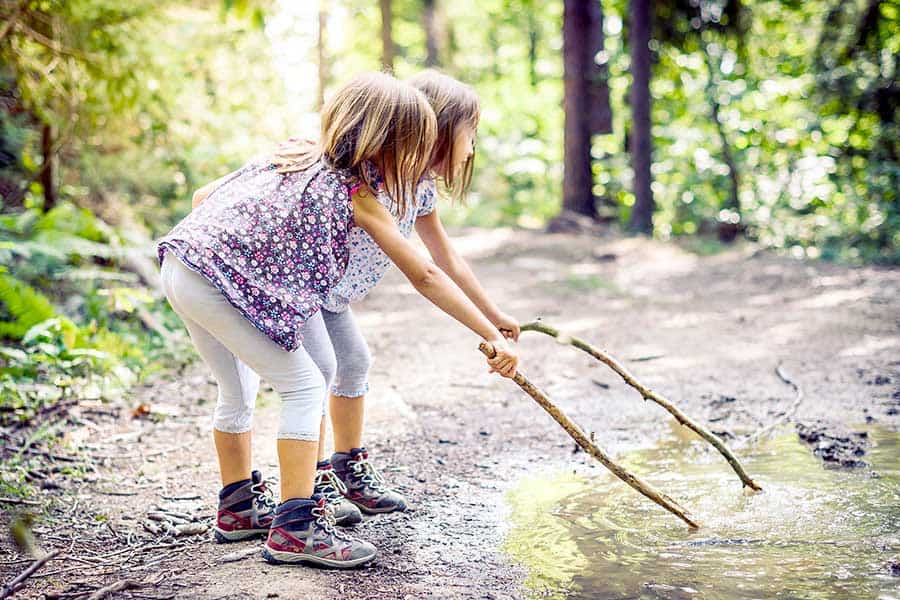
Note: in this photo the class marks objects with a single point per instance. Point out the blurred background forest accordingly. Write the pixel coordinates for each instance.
(710, 120)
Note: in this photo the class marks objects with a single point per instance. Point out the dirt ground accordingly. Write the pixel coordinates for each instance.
(706, 331)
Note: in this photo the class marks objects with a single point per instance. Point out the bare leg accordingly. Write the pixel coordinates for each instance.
(347, 418)
(322, 439)
(234, 455)
(297, 460)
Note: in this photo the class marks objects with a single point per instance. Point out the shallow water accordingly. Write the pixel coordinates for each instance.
(812, 533)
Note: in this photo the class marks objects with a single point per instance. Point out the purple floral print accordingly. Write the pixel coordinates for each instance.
(274, 244)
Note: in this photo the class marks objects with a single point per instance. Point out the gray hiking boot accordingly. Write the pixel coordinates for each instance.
(329, 485)
(303, 532)
(365, 487)
(246, 509)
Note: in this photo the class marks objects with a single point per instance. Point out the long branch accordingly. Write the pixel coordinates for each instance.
(11, 587)
(11, 20)
(649, 394)
(579, 436)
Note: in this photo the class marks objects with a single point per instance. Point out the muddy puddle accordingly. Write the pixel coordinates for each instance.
(813, 533)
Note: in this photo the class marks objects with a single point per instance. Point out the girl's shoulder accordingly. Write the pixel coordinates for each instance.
(426, 195)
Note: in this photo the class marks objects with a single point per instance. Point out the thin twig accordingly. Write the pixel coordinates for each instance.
(14, 585)
(125, 584)
(53, 45)
(180, 498)
(240, 555)
(649, 394)
(142, 456)
(763, 432)
(18, 501)
(11, 21)
(585, 442)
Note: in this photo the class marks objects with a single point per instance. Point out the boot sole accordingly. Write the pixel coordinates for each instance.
(225, 537)
(376, 511)
(349, 520)
(293, 558)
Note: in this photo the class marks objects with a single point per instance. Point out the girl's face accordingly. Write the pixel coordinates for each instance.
(463, 148)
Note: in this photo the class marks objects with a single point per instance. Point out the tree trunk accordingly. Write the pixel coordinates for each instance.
(582, 39)
(494, 44)
(387, 40)
(730, 225)
(641, 143)
(598, 75)
(533, 37)
(430, 23)
(322, 53)
(47, 174)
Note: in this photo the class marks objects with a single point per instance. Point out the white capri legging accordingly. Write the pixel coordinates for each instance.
(238, 354)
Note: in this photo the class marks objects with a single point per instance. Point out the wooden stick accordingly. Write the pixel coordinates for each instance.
(119, 586)
(649, 394)
(19, 501)
(579, 436)
(785, 416)
(10, 588)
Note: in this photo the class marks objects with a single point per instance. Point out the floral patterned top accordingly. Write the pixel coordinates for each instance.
(368, 263)
(274, 244)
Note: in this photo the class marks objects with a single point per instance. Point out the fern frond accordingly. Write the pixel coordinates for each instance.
(24, 306)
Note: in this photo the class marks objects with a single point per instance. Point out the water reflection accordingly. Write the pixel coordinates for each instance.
(814, 532)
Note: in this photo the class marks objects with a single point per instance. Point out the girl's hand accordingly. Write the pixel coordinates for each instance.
(505, 360)
(508, 326)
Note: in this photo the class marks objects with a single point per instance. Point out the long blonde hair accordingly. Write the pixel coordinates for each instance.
(374, 117)
(455, 104)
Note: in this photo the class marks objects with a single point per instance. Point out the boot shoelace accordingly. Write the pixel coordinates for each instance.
(263, 493)
(369, 475)
(324, 514)
(330, 485)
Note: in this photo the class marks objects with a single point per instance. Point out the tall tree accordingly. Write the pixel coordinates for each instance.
(641, 142)
(431, 25)
(387, 38)
(586, 102)
(709, 26)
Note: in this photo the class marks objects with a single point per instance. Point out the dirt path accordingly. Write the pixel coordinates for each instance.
(708, 332)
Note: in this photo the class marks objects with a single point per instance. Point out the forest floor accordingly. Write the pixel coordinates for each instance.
(708, 331)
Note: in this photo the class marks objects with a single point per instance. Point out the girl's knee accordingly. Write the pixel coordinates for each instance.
(328, 367)
(301, 409)
(233, 413)
(353, 374)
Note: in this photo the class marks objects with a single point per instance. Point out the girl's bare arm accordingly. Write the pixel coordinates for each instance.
(428, 279)
(435, 238)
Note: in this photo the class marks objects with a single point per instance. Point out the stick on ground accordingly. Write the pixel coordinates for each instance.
(649, 394)
(10, 588)
(582, 440)
(785, 417)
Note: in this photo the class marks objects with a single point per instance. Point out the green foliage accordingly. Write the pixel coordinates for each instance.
(148, 100)
(21, 307)
(95, 348)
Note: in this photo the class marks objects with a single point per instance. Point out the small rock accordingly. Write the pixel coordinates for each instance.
(895, 566)
(190, 529)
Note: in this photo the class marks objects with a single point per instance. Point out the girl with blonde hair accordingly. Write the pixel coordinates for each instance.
(349, 476)
(249, 270)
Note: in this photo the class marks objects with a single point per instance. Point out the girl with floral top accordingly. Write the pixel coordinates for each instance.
(249, 270)
(363, 488)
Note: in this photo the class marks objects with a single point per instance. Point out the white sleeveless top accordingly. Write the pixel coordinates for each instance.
(368, 263)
